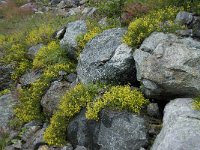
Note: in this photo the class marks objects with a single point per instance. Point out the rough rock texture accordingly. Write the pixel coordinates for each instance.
(106, 59)
(83, 132)
(5, 76)
(122, 131)
(168, 66)
(30, 77)
(73, 30)
(6, 109)
(32, 51)
(52, 97)
(114, 131)
(153, 110)
(181, 126)
(191, 21)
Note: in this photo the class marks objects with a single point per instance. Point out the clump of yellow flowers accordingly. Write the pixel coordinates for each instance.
(159, 20)
(116, 97)
(29, 107)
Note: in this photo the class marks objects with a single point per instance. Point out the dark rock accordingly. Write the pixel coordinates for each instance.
(53, 95)
(122, 131)
(181, 126)
(168, 66)
(153, 110)
(5, 76)
(83, 132)
(106, 59)
(115, 130)
(60, 34)
(71, 77)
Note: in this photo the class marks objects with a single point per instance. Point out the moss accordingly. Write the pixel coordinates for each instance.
(160, 20)
(117, 97)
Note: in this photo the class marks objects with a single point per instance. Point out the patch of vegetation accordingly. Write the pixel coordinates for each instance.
(161, 20)
(116, 97)
(5, 91)
(49, 55)
(4, 139)
(29, 107)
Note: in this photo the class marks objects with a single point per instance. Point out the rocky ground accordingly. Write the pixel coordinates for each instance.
(165, 64)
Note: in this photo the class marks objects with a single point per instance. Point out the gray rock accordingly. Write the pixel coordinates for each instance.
(10, 147)
(80, 148)
(71, 77)
(83, 132)
(29, 131)
(17, 144)
(115, 130)
(196, 28)
(5, 76)
(153, 110)
(181, 126)
(106, 59)
(168, 66)
(30, 77)
(74, 11)
(52, 97)
(32, 51)
(122, 131)
(184, 18)
(7, 103)
(89, 11)
(73, 30)
(34, 139)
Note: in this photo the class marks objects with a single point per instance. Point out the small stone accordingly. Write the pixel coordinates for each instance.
(71, 77)
(153, 110)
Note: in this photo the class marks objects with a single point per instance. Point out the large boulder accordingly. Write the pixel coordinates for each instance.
(115, 130)
(122, 131)
(7, 103)
(83, 132)
(106, 59)
(168, 66)
(181, 127)
(73, 30)
(53, 95)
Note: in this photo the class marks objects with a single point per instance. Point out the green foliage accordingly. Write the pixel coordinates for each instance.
(70, 105)
(29, 107)
(49, 55)
(4, 140)
(33, 30)
(118, 97)
(196, 103)
(161, 20)
(5, 91)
